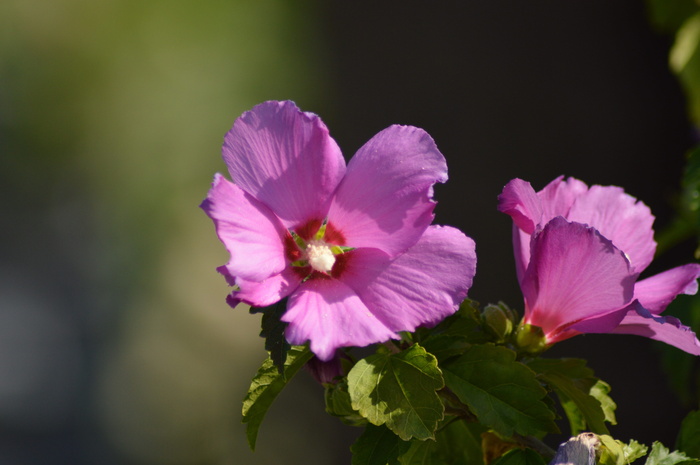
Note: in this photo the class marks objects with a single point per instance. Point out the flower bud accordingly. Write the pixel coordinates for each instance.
(498, 320)
(530, 339)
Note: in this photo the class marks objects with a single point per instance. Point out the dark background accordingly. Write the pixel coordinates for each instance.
(115, 342)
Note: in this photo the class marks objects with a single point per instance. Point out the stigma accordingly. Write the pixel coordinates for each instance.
(320, 255)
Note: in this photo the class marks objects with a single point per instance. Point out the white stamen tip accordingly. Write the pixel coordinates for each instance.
(320, 256)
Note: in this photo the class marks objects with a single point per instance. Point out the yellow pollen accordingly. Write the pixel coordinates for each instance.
(320, 256)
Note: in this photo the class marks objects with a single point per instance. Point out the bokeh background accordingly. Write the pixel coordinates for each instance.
(116, 345)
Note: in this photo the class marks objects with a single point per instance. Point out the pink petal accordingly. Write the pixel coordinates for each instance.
(520, 201)
(423, 285)
(656, 292)
(265, 293)
(286, 159)
(574, 274)
(330, 315)
(559, 195)
(385, 200)
(620, 218)
(250, 231)
(665, 329)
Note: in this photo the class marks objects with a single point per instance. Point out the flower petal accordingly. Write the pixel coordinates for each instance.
(422, 286)
(520, 201)
(559, 195)
(656, 292)
(574, 274)
(250, 231)
(286, 159)
(385, 200)
(665, 329)
(620, 218)
(265, 293)
(330, 315)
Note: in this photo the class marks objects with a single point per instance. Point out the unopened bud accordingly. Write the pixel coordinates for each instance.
(530, 339)
(498, 320)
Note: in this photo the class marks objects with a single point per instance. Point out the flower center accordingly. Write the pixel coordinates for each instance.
(320, 255)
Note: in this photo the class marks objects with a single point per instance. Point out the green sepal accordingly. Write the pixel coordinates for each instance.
(504, 394)
(399, 390)
(265, 387)
(583, 397)
(273, 331)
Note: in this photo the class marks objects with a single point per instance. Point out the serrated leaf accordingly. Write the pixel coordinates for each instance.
(339, 405)
(399, 390)
(614, 452)
(520, 457)
(377, 445)
(273, 331)
(660, 455)
(504, 394)
(689, 435)
(579, 393)
(265, 387)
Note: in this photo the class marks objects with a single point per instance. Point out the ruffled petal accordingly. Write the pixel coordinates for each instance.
(385, 200)
(286, 159)
(252, 234)
(520, 201)
(665, 329)
(330, 315)
(265, 293)
(422, 286)
(559, 195)
(574, 274)
(656, 292)
(620, 218)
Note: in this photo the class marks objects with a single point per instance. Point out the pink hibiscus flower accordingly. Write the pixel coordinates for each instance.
(352, 247)
(578, 254)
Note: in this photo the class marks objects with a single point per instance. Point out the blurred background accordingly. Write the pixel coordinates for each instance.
(116, 345)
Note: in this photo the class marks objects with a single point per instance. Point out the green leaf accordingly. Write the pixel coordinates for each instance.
(614, 452)
(456, 443)
(455, 334)
(399, 390)
(585, 402)
(273, 331)
(689, 435)
(504, 394)
(660, 455)
(339, 405)
(265, 387)
(520, 457)
(377, 445)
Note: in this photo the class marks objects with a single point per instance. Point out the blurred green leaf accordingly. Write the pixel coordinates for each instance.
(273, 331)
(504, 394)
(684, 59)
(377, 445)
(689, 436)
(265, 387)
(575, 386)
(668, 15)
(399, 390)
(520, 457)
(660, 455)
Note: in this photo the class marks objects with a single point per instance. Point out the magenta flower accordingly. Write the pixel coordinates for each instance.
(578, 254)
(352, 247)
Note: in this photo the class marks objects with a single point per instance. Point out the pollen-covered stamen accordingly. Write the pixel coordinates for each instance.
(320, 255)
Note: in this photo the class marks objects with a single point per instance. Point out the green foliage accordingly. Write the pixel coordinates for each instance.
(520, 457)
(456, 443)
(504, 394)
(399, 390)
(660, 455)
(689, 436)
(273, 331)
(265, 387)
(377, 446)
(339, 405)
(455, 334)
(579, 392)
(614, 452)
